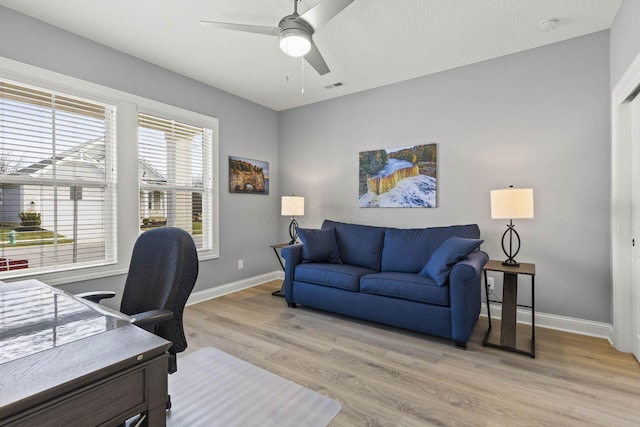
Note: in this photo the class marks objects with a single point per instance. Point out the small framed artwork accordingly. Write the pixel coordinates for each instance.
(403, 177)
(248, 176)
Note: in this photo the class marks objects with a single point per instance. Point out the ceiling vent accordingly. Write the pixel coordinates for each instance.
(334, 85)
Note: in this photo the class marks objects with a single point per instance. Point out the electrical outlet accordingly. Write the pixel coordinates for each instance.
(240, 264)
(490, 284)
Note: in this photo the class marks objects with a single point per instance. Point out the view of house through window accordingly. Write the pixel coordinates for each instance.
(175, 176)
(56, 180)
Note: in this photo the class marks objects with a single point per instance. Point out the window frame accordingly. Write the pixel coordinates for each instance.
(210, 250)
(126, 209)
(42, 184)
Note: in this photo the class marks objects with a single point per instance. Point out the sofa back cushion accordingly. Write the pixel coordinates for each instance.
(408, 250)
(359, 245)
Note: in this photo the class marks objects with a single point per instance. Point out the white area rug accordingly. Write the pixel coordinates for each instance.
(212, 388)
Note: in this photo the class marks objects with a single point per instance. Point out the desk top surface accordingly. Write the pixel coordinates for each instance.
(35, 317)
(51, 341)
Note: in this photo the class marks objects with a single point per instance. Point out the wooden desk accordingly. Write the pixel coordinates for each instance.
(510, 305)
(65, 362)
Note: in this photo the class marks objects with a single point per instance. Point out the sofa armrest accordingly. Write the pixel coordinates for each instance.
(465, 294)
(470, 267)
(292, 257)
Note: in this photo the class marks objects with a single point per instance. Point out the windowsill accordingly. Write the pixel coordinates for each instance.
(71, 276)
(57, 278)
(207, 255)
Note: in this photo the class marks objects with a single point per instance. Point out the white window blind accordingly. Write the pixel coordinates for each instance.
(57, 181)
(175, 177)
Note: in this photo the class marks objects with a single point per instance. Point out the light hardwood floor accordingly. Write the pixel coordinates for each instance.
(384, 376)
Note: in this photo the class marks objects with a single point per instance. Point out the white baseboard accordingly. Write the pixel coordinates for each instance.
(543, 320)
(559, 323)
(218, 291)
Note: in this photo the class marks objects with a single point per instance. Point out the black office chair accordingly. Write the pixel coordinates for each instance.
(162, 273)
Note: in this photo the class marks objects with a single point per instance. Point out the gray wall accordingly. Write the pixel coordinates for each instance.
(247, 223)
(625, 39)
(539, 119)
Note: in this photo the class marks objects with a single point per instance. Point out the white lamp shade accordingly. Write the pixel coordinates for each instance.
(295, 42)
(292, 206)
(512, 203)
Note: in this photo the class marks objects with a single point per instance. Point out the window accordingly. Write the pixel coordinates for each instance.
(174, 171)
(56, 180)
(67, 214)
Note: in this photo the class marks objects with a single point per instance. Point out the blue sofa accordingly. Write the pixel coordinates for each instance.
(425, 280)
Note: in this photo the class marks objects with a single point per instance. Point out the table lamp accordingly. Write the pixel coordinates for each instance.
(511, 203)
(292, 206)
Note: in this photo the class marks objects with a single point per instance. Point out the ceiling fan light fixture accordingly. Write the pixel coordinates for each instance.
(295, 31)
(295, 42)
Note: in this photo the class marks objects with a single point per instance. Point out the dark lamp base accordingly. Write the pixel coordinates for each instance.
(511, 263)
(293, 232)
(511, 253)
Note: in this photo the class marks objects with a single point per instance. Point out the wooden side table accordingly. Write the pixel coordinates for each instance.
(279, 292)
(510, 305)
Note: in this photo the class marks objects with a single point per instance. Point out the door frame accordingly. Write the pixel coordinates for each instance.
(635, 223)
(621, 198)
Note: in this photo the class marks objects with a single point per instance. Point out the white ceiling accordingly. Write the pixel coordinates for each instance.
(371, 43)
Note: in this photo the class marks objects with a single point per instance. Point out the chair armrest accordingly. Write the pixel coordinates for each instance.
(150, 317)
(96, 296)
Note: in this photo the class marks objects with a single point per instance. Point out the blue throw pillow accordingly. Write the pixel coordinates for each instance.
(446, 255)
(319, 245)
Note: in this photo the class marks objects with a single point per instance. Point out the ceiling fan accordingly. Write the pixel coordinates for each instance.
(295, 31)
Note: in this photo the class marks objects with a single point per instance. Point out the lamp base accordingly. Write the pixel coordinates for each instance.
(511, 253)
(293, 232)
(511, 263)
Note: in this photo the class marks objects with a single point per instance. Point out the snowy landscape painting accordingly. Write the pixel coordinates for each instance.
(402, 177)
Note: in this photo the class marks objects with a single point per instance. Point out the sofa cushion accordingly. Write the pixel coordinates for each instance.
(319, 245)
(341, 276)
(408, 286)
(408, 250)
(359, 245)
(448, 253)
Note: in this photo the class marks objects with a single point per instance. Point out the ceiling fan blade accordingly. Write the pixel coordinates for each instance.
(324, 11)
(257, 29)
(316, 60)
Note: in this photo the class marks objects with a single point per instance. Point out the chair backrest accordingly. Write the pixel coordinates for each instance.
(162, 273)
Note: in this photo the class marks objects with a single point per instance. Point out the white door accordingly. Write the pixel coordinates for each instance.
(635, 286)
